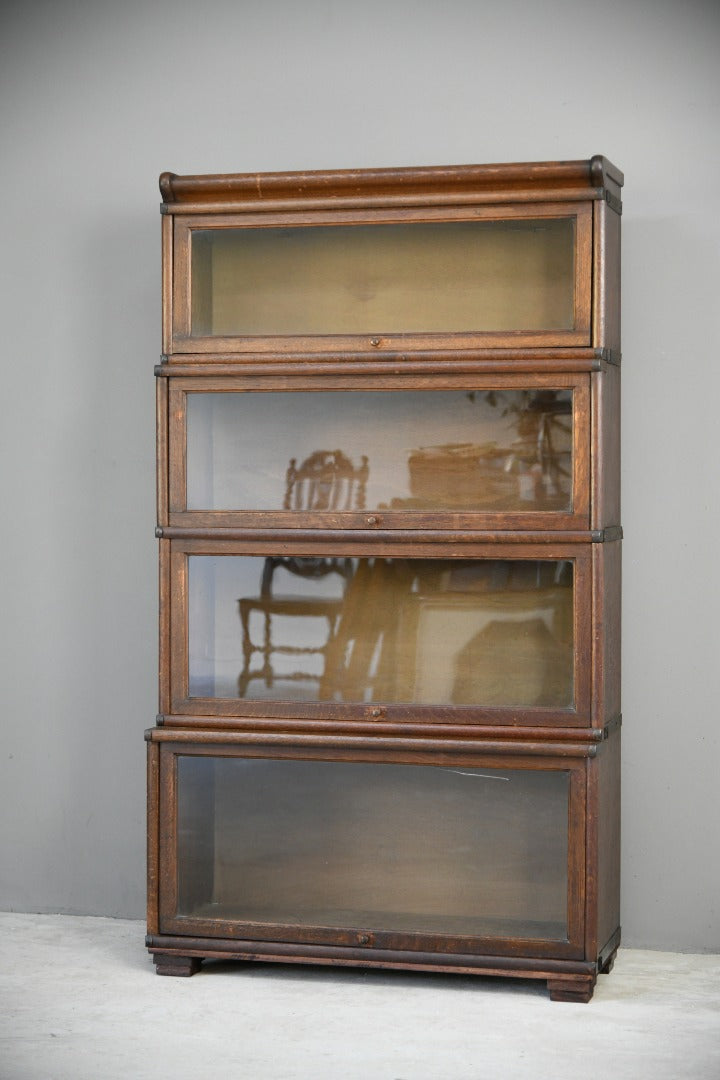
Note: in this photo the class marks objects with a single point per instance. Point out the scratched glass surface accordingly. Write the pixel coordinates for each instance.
(487, 632)
(503, 450)
(467, 851)
(419, 277)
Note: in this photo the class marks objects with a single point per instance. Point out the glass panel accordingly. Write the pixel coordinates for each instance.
(389, 847)
(403, 278)
(491, 450)
(425, 631)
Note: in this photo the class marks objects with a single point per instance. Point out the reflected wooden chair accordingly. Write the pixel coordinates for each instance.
(325, 481)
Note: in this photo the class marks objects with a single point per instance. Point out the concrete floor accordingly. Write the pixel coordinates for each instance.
(79, 1000)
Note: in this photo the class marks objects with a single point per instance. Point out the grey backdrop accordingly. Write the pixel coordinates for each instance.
(95, 100)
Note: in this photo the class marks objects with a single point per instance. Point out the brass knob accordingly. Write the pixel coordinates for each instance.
(375, 341)
(372, 520)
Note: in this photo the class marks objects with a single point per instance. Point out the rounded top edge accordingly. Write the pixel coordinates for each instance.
(165, 183)
(602, 170)
(271, 186)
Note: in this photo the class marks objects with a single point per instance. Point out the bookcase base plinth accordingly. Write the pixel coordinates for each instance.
(567, 980)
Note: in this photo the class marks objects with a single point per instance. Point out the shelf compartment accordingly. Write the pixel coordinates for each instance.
(482, 275)
(471, 855)
(501, 635)
(489, 452)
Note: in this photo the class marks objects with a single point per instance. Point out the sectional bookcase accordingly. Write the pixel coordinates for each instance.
(389, 530)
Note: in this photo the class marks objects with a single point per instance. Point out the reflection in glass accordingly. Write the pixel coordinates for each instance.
(491, 450)
(394, 847)
(426, 631)
(390, 278)
(269, 607)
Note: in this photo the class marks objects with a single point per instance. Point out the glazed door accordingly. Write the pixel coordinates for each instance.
(484, 276)
(459, 452)
(497, 636)
(477, 856)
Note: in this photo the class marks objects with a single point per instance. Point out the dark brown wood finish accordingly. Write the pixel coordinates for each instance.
(162, 451)
(604, 792)
(574, 973)
(583, 741)
(168, 232)
(607, 564)
(171, 964)
(494, 523)
(510, 182)
(366, 362)
(374, 726)
(466, 755)
(177, 447)
(606, 279)
(403, 548)
(153, 837)
(337, 747)
(382, 341)
(164, 640)
(374, 535)
(577, 988)
(605, 425)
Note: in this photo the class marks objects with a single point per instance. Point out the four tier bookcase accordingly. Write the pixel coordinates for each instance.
(389, 523)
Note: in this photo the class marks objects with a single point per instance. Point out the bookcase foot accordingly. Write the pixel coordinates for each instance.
(184, 966)
(571, 988)
(609, 963)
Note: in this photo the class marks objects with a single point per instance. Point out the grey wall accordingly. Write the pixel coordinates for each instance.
(95, 100)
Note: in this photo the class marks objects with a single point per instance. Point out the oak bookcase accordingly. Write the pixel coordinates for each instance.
(389, 523)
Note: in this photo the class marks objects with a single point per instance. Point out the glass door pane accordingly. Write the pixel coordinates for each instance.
(490, 450)
(484, 632)
(417, 849)
(407, 278)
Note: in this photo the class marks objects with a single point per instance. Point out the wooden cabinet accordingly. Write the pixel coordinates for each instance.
(389, 522)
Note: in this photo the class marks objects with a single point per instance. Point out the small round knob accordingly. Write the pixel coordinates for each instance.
(372, 520)
(363, 939)
(375, 341)
(376, 712)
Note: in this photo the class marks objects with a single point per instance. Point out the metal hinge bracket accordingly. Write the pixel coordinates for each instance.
(613, 202)
(606, 536)
(612, 725)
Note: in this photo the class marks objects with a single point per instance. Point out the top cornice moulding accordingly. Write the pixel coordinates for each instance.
(408, 185)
